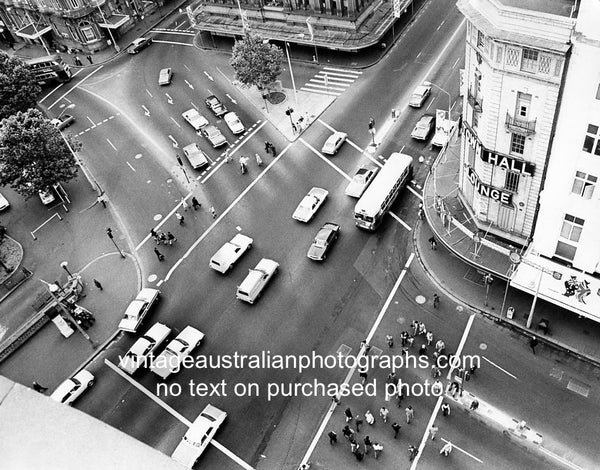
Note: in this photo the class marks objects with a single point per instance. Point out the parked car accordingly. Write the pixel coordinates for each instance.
(165, 76)
(310, 204)
(423, 127)
(323, 241)
(63, 121)
(214, 136)
(224, 259)
(195, 119)
(72, 388)
(233, 122)
(198, 436)
(254, 283)
(195, 156)
(138, 45)
(144, 347)
(215, 105)
(46, 196)
(334, 142)
(170, 359)
(4, 204)
(419, 95)
(138, 308)
(361, 179)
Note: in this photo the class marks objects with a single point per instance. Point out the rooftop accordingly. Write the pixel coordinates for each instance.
(553, 7)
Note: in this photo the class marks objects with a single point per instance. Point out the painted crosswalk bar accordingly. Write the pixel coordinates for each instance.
(331, 81)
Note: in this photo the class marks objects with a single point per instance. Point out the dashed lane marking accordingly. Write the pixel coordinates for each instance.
(414, 192)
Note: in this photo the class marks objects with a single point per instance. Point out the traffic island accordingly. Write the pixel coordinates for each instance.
(11, 254)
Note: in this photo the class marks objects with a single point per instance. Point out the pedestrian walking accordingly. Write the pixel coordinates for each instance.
(39, 388)
(154, 235)
(474, 405)
(391, 378)
(353, 445)
(89, 58)
(76, 61)
(435, 371)
(436, 300)
(213, 212)
(437, 388)
(429, 338)
(195, 204)
(267, 146)
(533, 342)
(348, 414)
(396, 427)
(410, 414)
(259, 161)
(394, 114)
(335, 400)
(440, 346)
(445, 409)
(423, 350)
(171, 238)
(162, 238)
(433, 430)
(363, 374)
(389, 339)
(347, 432)
(184, 205)
(432, 241)
(332, 437)
(377, 449)
(368, 444)
(369, 418)
(102, 200)
(358, 422)
(179, 217)
(412, 452)
(422, 329)
(445, 451)
(384, 412)
(97, 284)
(159, 255)
(359, 455)
(415, 326)
(403, 338)
(410, 340)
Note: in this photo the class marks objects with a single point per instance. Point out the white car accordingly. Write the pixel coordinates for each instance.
(198, 436)
(419, 95)
(195, 156)
(170, 359)
(423, 127)
(144, 347)
(165, 76)
(310, 204)
(214, 136)
(71, 389)
(252, 286)
(361, 180)
(195, 119)
(137, 309)
(224, 259)
(46, 196)
(334, 142)
(233, 122)
(3, 202)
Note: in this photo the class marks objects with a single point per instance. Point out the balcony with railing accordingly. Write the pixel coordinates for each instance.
(476, 102)
(519, 125)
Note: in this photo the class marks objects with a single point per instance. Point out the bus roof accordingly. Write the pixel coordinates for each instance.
(41, 60)
(372, 199)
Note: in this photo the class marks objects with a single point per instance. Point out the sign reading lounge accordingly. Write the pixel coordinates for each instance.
(487, 190)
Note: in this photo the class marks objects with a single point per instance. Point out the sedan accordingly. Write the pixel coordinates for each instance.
(214, 136)
(234, 123)
(361, 180)
(137, 309)
(71, 389)
(63, 121)
(46, 196)
(170, 359)
(323, 241)
(215, 105)
(423, 127)
(224, 259)
(195, 119)
(334, 142)
(195, 156)
(139, 353)
(139, 44)
(420, 95)
(198, 436)
(310, 204)
(165, 76)
(3, 202)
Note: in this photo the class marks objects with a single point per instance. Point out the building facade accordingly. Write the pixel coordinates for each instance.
(514, 68)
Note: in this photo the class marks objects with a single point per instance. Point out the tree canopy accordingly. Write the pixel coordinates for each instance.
(256, 62)
(33, 153)
(18, 88)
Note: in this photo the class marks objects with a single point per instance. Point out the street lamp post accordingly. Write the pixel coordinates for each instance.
(182, 167)
(112, 38)
(372, 131)
(287, 52)
(64, 265)
(488, 279)
(289, 113)
(112, 239)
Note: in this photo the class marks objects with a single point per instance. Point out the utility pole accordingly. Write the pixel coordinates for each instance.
(112, 239)
(487, 279)
(182, 167)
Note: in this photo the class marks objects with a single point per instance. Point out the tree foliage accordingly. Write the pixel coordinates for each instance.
(18, 88)
(256, 62)
(33, 153)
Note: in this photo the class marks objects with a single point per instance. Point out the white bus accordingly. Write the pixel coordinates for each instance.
(382, 192)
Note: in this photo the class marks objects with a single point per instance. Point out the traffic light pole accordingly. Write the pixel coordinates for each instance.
(112, 239)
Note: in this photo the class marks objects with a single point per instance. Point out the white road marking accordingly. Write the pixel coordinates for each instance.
(454, 446)
(132, 168)
(372, 331)
(63, 96)
(327, 87)
(187, 68)
(414, 192)
(404, 224)
(231, 455)
(225, 212)
(171, 31)
(330, 79)
(347, 140)
(326, 160)
(457, 61)
(355, 72)
(560, 459)
(174, 43)
(111, 144)
(90, 119)
(499, 368)
(320, 91)
(176, 123)
(148, 91)
(418, 55)
(441, 24)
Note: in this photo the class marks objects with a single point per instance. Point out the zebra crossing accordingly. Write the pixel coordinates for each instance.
(331, 81)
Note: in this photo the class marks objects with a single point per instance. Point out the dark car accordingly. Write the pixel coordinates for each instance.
(215, 105)
(138, 45)
(63, 121)
(323, 241)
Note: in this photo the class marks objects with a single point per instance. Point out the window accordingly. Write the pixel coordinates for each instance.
(517, 143)
(598, 92)
(565, 251)
(529, 60)
(584, 185)
(523, 104)
(571, 228)
(481, 40)
(511, 183)
(592, 139)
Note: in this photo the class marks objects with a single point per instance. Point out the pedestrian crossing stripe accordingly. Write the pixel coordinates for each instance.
(336, 76)
(331, 81)
(339, 81)
(328, 87)
(354, 72)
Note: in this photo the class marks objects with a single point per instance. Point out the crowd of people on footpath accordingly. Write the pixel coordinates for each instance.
(407, 340)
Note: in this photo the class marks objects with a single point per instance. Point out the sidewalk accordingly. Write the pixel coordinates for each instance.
(453, 228)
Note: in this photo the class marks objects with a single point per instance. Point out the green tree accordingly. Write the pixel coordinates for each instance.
(18, 88)
(256, 62)
(33, 154)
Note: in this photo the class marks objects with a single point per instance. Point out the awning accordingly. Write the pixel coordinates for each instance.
(566, 287)
(114, 21)
(32, 31)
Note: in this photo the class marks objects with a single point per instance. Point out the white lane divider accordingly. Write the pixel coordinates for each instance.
(347, 140)
(454, 446)
(498, 367)
(326, 160)
(398, 219)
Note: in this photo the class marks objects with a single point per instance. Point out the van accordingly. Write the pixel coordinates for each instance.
(252, 286)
